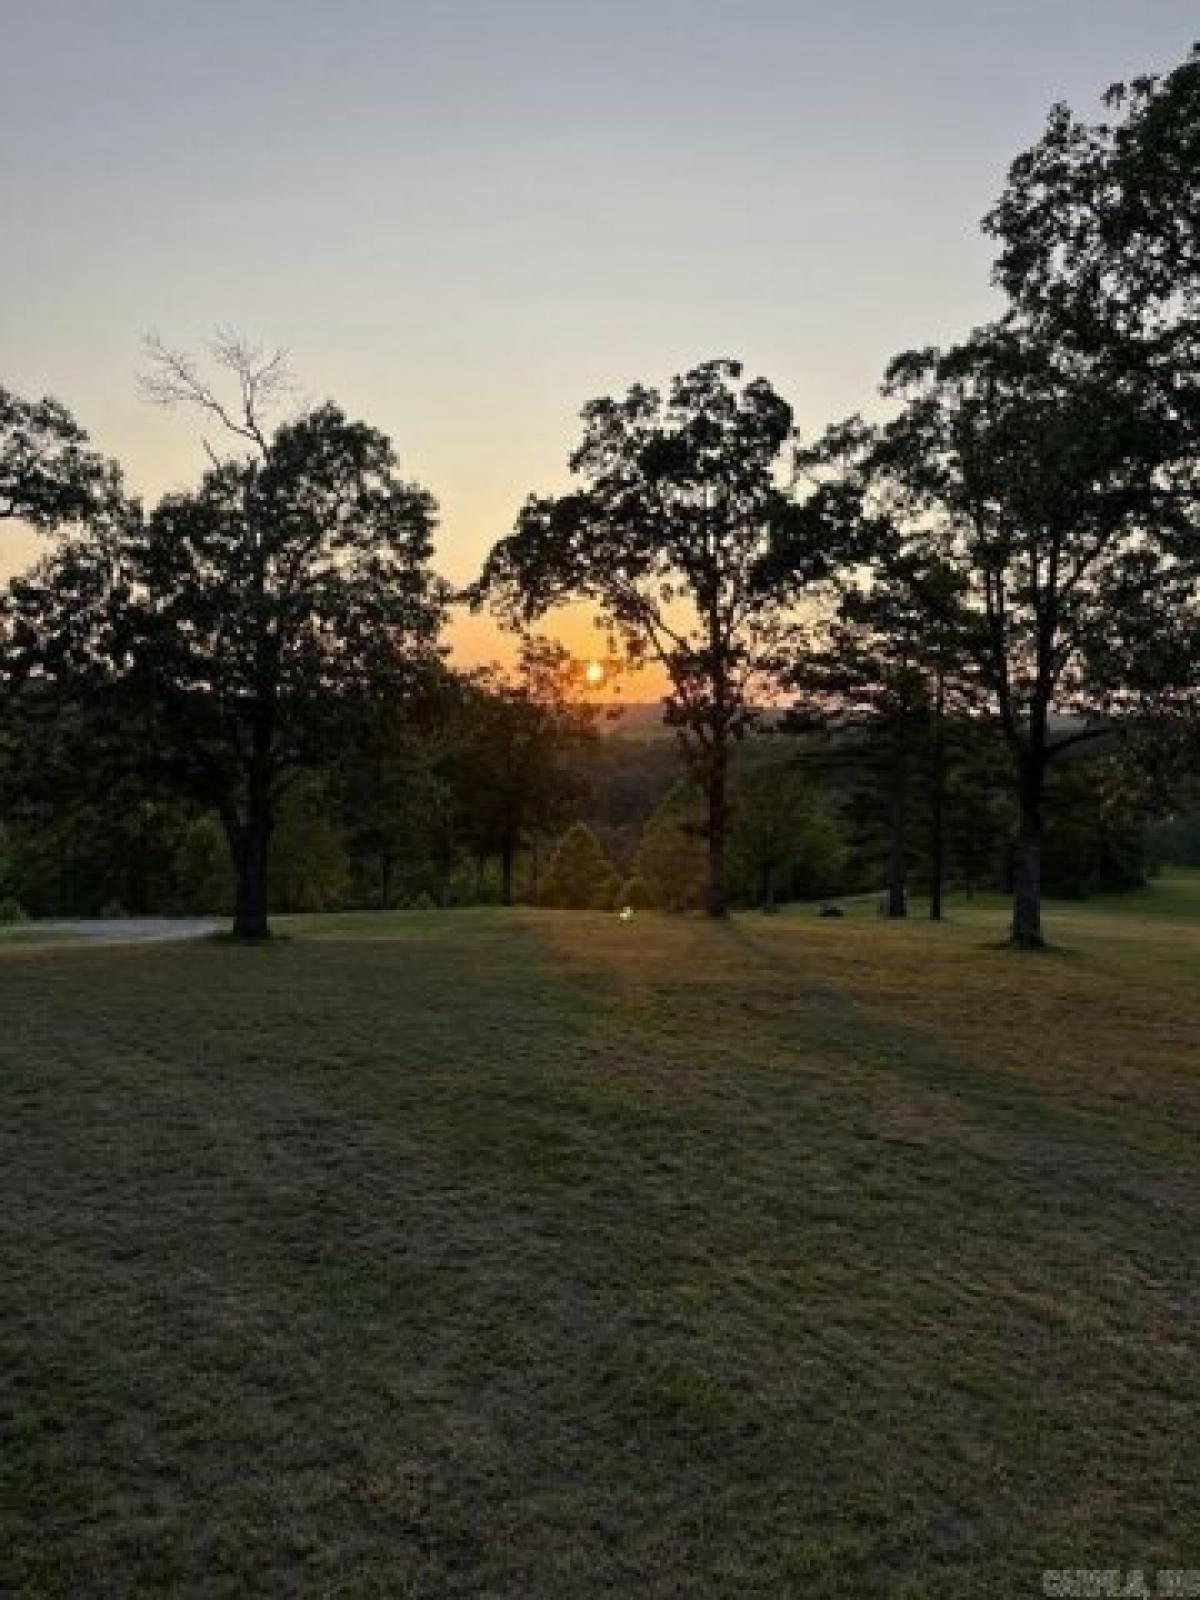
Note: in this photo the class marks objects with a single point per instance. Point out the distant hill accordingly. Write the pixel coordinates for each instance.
(643, 719)
(640, 719)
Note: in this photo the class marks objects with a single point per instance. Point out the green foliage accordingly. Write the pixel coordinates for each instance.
(73, 857)
(1095, 832)
(309, 870)
(980, 820)
(394, 795)
(787, 840)
(472, 880)
(11, 910)
(1175, 839)
(517, 733)
(203, 872)
(579, 877)
(672, 861)
(233, 628)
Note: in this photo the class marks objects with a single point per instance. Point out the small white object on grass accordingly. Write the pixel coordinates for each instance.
(626, 913)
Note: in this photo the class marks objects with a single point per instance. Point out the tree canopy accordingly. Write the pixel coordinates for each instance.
(49, 475)
(683, 500)
(242, 622)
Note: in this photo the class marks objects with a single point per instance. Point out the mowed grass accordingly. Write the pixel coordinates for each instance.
(543, 1255)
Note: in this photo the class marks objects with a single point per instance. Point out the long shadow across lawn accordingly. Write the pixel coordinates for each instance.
(511, 1256)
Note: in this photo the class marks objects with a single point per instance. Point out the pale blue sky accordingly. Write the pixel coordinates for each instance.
(467, 217)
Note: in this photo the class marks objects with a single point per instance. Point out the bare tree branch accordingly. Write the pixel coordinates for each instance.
(261, 379)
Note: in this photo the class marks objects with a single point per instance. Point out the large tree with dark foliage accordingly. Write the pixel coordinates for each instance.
(272, 605)
(1027, 468)
(785, 833)
(53, 481)
(1050, 459)
(1100, 251)
(1100, 256)
(1098, 233)
(49, 476)
(514, 770)
(394, 794)
(669, 536)
(878, 677)
(237, 628)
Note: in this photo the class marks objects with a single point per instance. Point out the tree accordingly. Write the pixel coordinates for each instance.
(513, 768)
(672, 861)
(580, 876)
(980, 815)
(1174, 839)
(1099, 253)
(1095, 824)
(309, 868)
(876, 676)
(237, 626)
(1149, 667)
(1025, 470)
(393, 792)
(51, 480)
(49, 477)
(1050, 459)
(202, 872)
(69, 780)
(1097, 232)
(670, 536)
(782, 831)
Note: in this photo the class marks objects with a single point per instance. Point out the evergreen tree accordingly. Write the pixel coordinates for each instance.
(579, 877)
(672, 861)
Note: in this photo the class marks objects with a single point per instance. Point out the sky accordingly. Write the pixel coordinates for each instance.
(466, 218)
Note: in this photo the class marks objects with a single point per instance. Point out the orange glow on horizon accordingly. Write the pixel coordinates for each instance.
(477, 640)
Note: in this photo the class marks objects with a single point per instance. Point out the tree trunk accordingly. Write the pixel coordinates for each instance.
(897, 898)
(937, 840)
(766, 893)
(718, 760)
(717, 825)
(1027, 865)
(251, 848)
(535, 864)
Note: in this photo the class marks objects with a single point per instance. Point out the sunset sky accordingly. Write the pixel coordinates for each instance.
(465, 218)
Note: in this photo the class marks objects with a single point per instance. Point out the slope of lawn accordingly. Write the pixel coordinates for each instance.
(543, 1255)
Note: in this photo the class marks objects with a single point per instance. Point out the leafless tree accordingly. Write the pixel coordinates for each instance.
(258, 379)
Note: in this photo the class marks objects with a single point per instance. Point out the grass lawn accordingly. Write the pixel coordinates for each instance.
(12, 933)
(543, 1256)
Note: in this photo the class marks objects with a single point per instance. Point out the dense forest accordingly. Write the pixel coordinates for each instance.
(613, 821)
(955, 649)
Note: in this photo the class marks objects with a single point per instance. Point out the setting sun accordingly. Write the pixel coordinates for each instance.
(594, 673)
